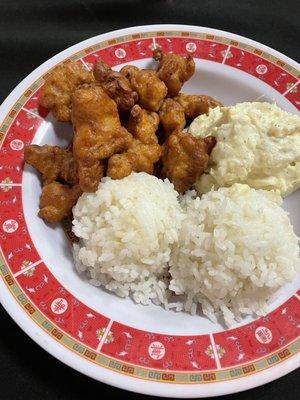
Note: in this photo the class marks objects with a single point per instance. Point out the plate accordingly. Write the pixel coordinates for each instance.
(143, 349)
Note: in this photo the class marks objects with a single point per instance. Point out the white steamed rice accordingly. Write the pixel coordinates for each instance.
(127, 229)
(227, 252)
(236, 248)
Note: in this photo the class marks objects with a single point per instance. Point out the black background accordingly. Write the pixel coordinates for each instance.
(32, 31)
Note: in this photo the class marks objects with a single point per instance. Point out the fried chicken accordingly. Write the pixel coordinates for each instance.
(59, 85)
(116, 85)
(57, 200)
(56, 165)
(143, 125)
(139, 158)
(171, 116)
(174, 70)
(150, 89)
(92, 101)
(185, 158)
(98, 133)
(195, 105)
(144, 151)
(53, 162)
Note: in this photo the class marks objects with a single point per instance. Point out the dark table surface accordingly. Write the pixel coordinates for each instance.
(32, 31)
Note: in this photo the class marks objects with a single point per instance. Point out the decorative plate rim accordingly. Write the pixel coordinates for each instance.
(83, 365)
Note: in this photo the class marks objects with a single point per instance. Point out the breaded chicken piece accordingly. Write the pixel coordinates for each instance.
(59, 85)
(144, 151)
(139, 158)
(150, 89)
(90, 173)
(171, 116)
(98, 133)
(143, 125)
(57, 200)
(185, 158)
(174, 70)
(53, 162)
(116, 85)
(195, 104)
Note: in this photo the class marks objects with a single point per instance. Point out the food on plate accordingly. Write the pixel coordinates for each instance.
(171, 116)
(143, 124)
(174, 70)
(185, 158)
(140, 157)
(257, 144)
(144, 151)
(102, 145)
(225, 249)
(116, 85)
(236, 248)
(59, 85)
(57, 200)
(98, 133)
(150, 89)
(195, 105)
(53, 162)
(227, 252)
(60, 180)
(126, 230)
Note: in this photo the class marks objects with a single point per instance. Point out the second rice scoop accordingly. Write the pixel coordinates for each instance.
(236, 248)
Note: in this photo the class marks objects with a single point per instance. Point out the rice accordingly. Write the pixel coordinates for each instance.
(236, 248)
(127, 229)
(226, 253)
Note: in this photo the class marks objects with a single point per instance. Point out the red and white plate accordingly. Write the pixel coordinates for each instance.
(143, 349)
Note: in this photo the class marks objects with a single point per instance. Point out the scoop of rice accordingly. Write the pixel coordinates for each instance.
(126, 230)
(236, 247)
